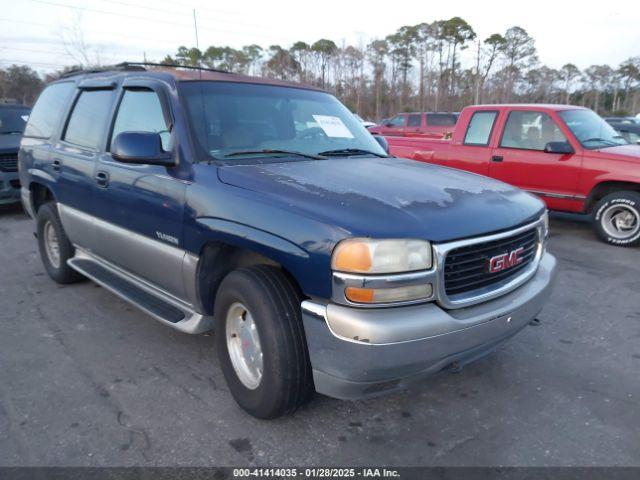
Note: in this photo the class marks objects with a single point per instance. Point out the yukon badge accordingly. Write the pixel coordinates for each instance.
(505, 260)
(167, 238)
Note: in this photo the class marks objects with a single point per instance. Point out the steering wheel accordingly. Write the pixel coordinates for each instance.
(312, 133)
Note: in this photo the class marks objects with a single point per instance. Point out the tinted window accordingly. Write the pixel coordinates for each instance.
(414, 120)
(397, 121)
(480, 127)
(141, 111)
(48, 110)
(441, 119)
(89, 118)
(530, 131)
(13, 120)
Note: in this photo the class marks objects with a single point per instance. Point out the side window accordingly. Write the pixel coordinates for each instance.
(88, 121)
(480, 127)
(414, 120)
(441, 119)
(530, 131)
(48, 110)
(397, 121)
(141, 111)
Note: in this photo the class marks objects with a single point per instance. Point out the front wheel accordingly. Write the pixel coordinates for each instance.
(616, 219)
(260, 341)
(55, 247)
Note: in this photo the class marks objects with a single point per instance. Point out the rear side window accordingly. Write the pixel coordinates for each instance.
(88, 121)
(48, 110)
(141, 111)
(441, 119)
(480, 127)
(414, 120)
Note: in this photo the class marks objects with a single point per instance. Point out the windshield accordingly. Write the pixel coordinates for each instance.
(13, 120)
(232, 121)
(591, 130)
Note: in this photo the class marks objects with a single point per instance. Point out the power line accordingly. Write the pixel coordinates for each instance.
(145, 19)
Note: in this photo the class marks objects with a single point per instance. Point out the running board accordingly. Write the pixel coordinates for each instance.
(150, 300)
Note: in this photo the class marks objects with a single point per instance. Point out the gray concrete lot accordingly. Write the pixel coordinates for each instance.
(86, 379)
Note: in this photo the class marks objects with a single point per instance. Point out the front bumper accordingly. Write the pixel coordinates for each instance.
(9, 188)
(357, 353)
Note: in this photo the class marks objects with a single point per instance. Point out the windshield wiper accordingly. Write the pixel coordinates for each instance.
(347, 152)
(273, 152)
(603, 140)
(11, 132)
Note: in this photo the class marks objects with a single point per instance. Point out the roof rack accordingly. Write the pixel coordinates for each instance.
(170, 65)
(136, 67)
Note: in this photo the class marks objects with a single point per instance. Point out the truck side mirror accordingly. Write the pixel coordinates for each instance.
(383, 142)
(559, 147)
(143, 148)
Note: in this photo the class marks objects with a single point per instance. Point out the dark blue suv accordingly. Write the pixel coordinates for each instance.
(266, 210)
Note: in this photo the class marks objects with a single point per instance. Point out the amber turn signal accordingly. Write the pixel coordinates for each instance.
(352, 257)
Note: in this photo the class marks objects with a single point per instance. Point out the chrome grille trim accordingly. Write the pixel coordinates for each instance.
(491, 291)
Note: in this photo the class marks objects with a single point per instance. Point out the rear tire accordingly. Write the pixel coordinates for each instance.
(55, 247)
(261, 343)
(616, 219)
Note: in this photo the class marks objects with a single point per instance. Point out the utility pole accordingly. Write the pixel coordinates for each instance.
(195, 27)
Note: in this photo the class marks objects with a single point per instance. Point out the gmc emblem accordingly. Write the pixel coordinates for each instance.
(505, 260)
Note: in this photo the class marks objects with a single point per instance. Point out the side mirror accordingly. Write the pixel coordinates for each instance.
(143, 148)
(559, 147)
(383, 142)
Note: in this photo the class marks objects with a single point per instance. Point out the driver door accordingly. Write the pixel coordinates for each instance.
(139, 209)
(520, 159)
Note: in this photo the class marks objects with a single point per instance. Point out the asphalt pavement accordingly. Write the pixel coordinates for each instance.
(88, 380)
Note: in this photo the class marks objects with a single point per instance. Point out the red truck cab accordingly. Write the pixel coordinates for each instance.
(567, 155)
(416, 124)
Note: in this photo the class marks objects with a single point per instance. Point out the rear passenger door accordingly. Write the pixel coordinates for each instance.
(139, 208)
(474, 152)
(74, 157)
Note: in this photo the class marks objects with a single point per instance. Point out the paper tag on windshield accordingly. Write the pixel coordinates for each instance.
(333, 126)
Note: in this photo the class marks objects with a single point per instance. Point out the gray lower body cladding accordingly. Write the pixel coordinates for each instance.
(347, 368)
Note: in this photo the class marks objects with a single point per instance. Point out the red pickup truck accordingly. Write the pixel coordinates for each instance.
(567, 155)
(429, 124)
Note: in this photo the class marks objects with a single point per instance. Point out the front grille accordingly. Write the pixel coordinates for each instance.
(466, 269)
(9, 162)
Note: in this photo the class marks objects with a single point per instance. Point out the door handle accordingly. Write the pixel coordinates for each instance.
(56, 165)
(102, 179)
(497, 158)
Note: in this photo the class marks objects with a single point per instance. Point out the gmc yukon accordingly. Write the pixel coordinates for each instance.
(266, 210)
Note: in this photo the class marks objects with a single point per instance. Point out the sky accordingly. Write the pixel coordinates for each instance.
(34, 32)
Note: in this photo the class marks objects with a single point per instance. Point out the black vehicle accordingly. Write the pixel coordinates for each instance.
(13, 119)
(628, 127)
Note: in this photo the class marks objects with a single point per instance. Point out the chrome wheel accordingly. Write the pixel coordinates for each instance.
(243, 344)
(51, 244)
(620, 221)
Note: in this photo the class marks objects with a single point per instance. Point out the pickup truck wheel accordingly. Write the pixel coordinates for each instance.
(55, 247)
(616, 219)
(261, 343)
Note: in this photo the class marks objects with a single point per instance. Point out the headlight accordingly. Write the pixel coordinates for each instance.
(365, 258)
(359, 255)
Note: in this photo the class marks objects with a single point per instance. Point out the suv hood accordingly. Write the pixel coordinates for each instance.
(389, 197)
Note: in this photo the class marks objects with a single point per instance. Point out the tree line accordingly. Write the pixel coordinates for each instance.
(438, 66)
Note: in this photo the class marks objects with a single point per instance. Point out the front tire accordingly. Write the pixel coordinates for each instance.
(260, 341)
(616, 219)
(55, 247)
